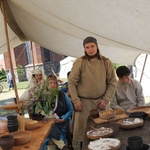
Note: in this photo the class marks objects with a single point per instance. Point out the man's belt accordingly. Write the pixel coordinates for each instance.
(89, 98)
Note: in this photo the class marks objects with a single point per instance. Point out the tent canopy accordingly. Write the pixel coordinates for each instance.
(122, 28)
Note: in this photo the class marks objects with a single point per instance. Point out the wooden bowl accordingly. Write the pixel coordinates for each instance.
(31, 124)
(21, 137)
(139, 108)
(107, 114)
(130, 123)
(100, 133)
(105, 143)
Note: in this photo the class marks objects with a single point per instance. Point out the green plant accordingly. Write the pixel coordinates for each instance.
(41, 99)
(2, 74)
(116, 65)
(20, 70)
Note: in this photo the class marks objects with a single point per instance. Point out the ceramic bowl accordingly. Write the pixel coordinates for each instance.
(140, 114)
(107, 114)
(6, 142)
(145, 147)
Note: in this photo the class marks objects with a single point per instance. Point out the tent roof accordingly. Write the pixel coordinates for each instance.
(122, 28)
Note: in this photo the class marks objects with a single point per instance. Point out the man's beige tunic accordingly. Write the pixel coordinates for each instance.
(90, 81)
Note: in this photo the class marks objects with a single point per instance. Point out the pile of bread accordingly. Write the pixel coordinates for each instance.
(104, 144)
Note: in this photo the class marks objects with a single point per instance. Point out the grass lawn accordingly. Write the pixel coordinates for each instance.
(20, 85)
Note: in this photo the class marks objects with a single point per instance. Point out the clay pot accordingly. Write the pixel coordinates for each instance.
(135, 142)
(6, 142)
(12, 123)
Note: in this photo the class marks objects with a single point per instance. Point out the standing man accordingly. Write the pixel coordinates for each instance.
(92, 84)
(10, 80)
(129, 92)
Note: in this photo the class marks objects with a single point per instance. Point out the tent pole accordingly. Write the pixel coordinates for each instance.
(143, 67)
(9, 53)
(32, 56)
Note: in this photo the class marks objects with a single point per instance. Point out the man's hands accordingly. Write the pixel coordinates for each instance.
(102, 104)
(78, 106)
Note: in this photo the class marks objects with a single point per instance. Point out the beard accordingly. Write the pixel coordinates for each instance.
(90, 57)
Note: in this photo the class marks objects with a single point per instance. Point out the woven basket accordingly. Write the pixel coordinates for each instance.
(130, 126)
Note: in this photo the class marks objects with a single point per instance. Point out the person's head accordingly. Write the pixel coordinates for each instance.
(37, 74)
(91, 48)
(53, 82)
(123, 74)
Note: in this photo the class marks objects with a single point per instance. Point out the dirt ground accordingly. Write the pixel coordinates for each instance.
(6, 94)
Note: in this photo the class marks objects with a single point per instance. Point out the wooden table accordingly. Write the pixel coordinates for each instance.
(38, 137)
(119, 133)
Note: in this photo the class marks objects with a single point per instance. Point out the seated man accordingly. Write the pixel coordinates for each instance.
(129, 92)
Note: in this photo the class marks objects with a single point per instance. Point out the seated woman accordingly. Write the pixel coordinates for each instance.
(54, 102)
(36, 81)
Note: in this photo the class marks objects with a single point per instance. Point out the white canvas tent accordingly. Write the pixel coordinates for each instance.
(122, 28)
(65, 66)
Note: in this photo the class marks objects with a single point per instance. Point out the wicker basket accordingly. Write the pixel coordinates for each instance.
(107, 134)
(130, 126)
(107, 114)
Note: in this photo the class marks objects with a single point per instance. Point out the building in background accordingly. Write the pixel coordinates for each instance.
(44, 59)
